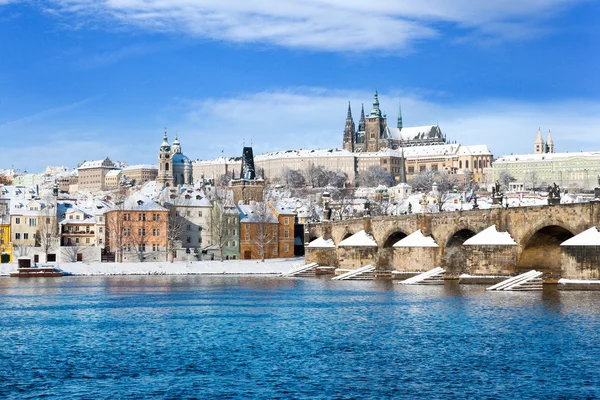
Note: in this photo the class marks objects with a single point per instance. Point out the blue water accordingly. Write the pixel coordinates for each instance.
(249, 337)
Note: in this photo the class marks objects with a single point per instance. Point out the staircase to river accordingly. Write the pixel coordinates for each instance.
(432, 277)
(307, 270)
(531, 280)
(362, 274)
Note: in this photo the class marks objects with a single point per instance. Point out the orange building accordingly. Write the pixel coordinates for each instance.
(136, 230)
(266, 231)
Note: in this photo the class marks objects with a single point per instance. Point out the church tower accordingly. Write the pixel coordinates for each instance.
(549, 143)
(375, 126)
(349, 131)
(538, 145)
(165, 165)
(399, 116)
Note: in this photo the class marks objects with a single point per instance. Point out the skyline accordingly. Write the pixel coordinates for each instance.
(84, 79)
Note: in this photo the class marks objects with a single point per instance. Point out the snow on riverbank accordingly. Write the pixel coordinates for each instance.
(230, 267)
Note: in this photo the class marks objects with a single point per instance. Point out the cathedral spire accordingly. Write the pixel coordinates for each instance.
(349, 112)
(538, 145)
(362, 112)
(375, 111)
(399, 116)
(549, 143)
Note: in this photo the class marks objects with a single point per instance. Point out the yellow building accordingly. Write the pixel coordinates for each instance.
(5, 243)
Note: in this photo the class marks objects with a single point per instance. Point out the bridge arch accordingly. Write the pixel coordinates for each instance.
(454, 256)
(392, 237)
(386, 249)
(345, 235)
(540, 249)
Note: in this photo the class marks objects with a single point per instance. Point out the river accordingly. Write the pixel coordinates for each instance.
(177, 337)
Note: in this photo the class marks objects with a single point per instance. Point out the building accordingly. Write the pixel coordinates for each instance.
(174, 168)
(248, 188)
(374, 134)
(112, 178)
(136, 230)
(81, 234)
(215, 169)
(228, 222)
(265, 231)
(140, 173)
(33, 228)
(5, 239)
(191, 219)
(574, 171)
(92, 174)
(68, 181)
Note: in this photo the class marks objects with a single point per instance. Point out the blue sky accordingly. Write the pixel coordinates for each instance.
(83, 79)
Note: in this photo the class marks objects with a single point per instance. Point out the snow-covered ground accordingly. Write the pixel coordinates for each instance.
(231, 267)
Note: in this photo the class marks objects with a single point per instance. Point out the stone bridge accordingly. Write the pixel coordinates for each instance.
(537, 230)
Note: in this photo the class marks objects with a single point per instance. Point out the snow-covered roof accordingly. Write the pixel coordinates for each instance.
(491, 237)
(414, 132)
(590, 237)
(254, 213)
(359, 239)
(220, 160)
(140, 166)
(474, 150)
(184, 197)
(140, 202)
(303, 153)
(321, 243)
(96, 164)
(416, 239)
(546, 156)
(113, 172)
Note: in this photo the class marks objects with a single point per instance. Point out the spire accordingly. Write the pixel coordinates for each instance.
(402, 168)
(362, 112)
(375, 111)
(165, 143)
(349, 112)
(399, 116)
(538, 145)
(549, 143)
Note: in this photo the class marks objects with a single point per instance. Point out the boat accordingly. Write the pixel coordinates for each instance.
(37, 272)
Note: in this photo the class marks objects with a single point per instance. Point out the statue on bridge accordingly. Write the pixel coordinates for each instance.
(553, 194)
(497, 195)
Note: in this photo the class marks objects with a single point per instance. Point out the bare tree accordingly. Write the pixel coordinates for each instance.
(375, 176)
(318, 176)
(505, 179)
(118, 225)
(47, 235)
(224, 179)
(292, 177)
(265, 227)
(424, 180)
(531, 180)
(342, 201)
(175, 227)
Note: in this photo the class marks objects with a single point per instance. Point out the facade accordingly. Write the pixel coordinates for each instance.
(374, 134)
(545, 167)
(33, 228)
(140, 173)
(286, 218)
(248, 188)
(136, 230)
(174, 168)
(259, 228)
(113, 178)
(193, 215)
(67, 181)
(5, 238)
(230, 220)
(214, 169)
(92, 174)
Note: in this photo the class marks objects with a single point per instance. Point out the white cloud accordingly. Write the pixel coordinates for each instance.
(332, 25)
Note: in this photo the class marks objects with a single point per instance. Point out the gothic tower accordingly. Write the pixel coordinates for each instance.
(165, 165)
(538, 145)
(349, 131)
(375, 126)
(549, 143)
(399, 116)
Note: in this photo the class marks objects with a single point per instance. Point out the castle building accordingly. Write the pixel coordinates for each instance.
(374, 134)
(174, 168)
(248, 188)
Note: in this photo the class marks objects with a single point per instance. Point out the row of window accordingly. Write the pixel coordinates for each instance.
(286, 248)
(141, 217)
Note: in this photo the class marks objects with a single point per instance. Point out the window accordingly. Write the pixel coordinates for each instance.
(99, 241)
(233, 243)
(286, 233)
(460, 165)
(199, 213)
(77, 240)
(286, 220)
(70, 217)
(26, 236)
(411, 170)
(467, 164)
(188, 213)
(77, 217)
(422, 168)
(142, 217)
(434, 167)
(286, 247)
(142, 232)
(274, 252)
(259, 252)
(189, 227)
(100, 229)
(188, 240)
(17, 236)
(142, 248)
(32, 222)
(227, 243)
(154, 247)
(155, 217)
(247, 236)
(87, 240)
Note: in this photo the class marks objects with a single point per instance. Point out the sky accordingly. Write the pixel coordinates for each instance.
(84, 79)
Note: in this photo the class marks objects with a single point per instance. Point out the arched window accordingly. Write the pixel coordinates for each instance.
(467, 164)
(460, 165)
(167, 167)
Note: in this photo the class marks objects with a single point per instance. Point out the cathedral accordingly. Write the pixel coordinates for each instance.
(174, 168)
(374, 134)
(539, 147)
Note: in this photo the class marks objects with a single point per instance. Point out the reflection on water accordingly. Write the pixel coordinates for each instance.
(223, 336)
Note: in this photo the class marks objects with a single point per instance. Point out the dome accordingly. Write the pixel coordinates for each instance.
(179, 158)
